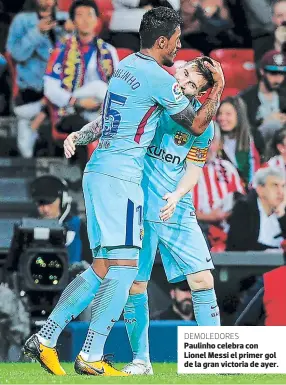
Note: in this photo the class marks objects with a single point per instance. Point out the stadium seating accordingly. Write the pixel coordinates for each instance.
(226, 92)
(233, 55)
(238, 66)
(239, 75)
(187, 54)
(64, 5)
(105, 9)
(90, 148)
(229, 92)
(123, 52)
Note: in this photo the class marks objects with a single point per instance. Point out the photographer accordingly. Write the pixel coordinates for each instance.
(50, 194)
(32, 36)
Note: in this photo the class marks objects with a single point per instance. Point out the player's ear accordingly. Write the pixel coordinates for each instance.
(172, 293)
(200, 94)
(162, 42)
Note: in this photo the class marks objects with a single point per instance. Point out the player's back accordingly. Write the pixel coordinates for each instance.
(132, 108)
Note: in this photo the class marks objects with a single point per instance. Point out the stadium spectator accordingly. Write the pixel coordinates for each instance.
(266, 39)
(207, 25)
(79, 70)
(277, 151)
(50, 194)
(181, 307)
(32, 35)
(126, 18)
(214, 195)
(258, 221)
(266, 103)
(238, 145)
(265, 301)
(259, 17)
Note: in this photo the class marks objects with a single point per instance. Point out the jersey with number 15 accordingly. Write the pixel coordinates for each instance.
(139, 91)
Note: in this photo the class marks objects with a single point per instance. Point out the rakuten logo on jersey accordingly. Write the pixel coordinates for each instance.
(159, 153)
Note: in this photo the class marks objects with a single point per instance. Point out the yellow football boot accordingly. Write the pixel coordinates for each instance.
(47, 357)
(97, 368)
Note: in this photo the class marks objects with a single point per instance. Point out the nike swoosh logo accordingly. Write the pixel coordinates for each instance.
(208, 260)
(213, 307)
(113, 320)
(99, 371)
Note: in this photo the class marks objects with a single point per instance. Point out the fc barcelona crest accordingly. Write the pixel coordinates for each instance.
(181, 138)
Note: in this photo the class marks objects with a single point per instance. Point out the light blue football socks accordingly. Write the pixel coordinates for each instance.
(107, 308)
(136, 318)
(74, 299)
(205, 307)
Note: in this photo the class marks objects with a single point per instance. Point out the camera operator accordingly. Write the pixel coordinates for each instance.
(51, 197)
(32, 36)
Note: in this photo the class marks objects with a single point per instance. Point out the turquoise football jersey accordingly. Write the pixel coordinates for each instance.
(165, 163)
(138, 93)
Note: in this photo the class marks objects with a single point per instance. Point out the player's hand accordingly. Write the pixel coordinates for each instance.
(46, 24)
(216, 71)
(167, 211)
(69, 144)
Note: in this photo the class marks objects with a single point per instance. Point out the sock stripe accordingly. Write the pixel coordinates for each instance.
(103, 299)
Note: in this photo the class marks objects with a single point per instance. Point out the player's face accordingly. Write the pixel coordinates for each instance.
(273, 80)
(171, 47)
(227, 117)
(279, 13)
(50, 211)
(190, 81)
(273, 192)
(85, 20)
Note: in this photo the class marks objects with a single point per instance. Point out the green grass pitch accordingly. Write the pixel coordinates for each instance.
(165, 373)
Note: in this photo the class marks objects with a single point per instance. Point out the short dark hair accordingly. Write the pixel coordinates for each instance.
(82, 3)
(161, 21)
(198, 62)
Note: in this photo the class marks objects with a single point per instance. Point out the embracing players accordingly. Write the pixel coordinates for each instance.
(138, 94)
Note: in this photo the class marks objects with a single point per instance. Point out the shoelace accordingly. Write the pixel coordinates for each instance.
(107, 359)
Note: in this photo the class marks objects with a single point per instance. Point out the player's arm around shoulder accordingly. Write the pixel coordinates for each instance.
(88, 134)
(197, 121)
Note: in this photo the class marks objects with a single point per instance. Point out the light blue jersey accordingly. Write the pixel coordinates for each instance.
(138, 93)
(165, 165)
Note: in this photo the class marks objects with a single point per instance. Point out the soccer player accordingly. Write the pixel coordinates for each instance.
(138, 93)
(172, 167)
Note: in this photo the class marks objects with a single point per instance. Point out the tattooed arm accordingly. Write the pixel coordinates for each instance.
(88, 134)
(197, 121)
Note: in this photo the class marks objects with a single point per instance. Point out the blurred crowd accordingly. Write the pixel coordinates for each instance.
(56, 61)
(57, 57)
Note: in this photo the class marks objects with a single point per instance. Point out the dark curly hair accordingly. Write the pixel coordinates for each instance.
(161, 21)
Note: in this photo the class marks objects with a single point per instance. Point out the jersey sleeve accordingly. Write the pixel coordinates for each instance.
(166, 92)
(199, 150)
